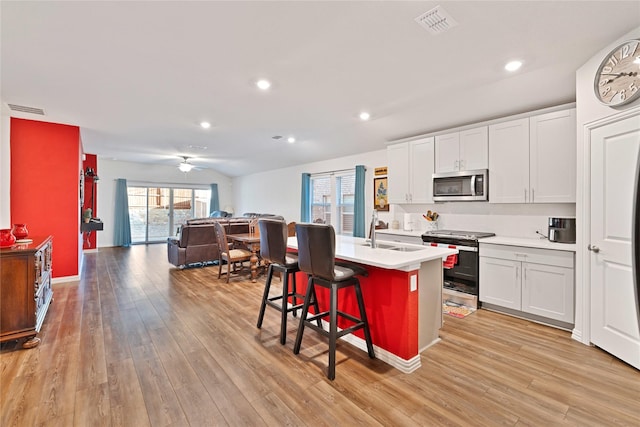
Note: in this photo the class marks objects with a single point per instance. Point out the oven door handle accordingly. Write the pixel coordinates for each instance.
(458, 247)
(466, 248)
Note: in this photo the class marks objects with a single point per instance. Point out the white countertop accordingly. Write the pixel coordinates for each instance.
(356, 249)
(529, 242)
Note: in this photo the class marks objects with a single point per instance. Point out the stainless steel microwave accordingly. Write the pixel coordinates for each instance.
(461, 186)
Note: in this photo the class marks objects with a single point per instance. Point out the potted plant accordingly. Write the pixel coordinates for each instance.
(86, 215)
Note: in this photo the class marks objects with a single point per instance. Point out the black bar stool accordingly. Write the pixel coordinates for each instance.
(273, 249)
(316, 257)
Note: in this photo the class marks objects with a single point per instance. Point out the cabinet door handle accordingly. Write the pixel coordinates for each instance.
(525, 194)
(533, 194)
(455, 165)
(520, 254)
(461, 165)
(517, 272)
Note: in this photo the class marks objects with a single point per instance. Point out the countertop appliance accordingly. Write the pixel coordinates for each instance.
(461, 186)
(461, 279)
(562, 229)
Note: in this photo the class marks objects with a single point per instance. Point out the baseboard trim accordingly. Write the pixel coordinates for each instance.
(403, 365)
(65, 279)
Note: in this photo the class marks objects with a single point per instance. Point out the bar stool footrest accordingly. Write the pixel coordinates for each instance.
(359, 324)
(288, 308)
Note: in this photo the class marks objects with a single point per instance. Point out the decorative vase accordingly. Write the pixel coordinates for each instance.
(20, 231)
(7, 238)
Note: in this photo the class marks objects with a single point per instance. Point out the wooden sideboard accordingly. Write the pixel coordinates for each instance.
(25, 289)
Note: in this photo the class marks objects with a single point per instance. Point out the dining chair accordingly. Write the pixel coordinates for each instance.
(291, 229)
(228, 254)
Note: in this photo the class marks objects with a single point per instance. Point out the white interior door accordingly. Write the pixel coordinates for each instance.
(614, 323)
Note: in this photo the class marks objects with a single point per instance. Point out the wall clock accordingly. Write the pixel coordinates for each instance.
(617, 81)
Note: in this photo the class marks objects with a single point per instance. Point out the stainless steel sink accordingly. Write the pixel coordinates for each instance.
(405, 249)
(380, 245)
(393, 247)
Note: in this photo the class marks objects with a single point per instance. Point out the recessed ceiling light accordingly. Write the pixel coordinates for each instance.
(291, 140)
(263, 84)
(205, 125)
(513, 65)
(365, 116)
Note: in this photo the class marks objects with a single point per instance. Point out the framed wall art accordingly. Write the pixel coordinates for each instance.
(380, 197)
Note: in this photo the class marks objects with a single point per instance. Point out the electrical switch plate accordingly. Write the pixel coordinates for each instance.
(414, 283)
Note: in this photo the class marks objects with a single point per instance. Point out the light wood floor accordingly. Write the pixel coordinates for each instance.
(137, 342)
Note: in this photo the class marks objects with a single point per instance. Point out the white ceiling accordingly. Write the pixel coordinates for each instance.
(138, 77)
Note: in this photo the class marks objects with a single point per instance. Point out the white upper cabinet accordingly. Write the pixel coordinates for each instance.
(398, 173)
(533, 160)
(474, 149)
(552, 156)
(421, 167)
(509, 162)
(447, 156)
(459, 151)
(410, 171)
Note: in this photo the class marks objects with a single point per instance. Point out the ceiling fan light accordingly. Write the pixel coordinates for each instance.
(185, 167)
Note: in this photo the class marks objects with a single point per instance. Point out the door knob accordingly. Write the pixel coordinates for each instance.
(594, 248)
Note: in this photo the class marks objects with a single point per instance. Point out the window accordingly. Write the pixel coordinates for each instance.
(332, 200)
(156, 212)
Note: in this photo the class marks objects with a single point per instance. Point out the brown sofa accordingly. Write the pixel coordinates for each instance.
(196, 242)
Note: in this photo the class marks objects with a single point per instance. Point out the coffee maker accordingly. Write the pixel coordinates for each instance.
(562, 229)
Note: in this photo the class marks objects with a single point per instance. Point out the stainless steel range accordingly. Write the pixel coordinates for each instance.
(460, 275)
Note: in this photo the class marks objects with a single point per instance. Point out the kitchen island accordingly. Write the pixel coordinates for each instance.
(402, 295)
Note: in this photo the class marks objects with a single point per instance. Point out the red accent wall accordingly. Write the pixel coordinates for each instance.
(45, 176)
(91, 161)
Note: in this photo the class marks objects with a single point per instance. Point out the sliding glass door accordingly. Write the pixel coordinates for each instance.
(156, 213)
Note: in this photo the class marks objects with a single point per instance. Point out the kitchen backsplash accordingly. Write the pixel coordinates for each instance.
(515, 220)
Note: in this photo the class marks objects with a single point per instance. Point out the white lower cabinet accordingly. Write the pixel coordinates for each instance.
(530, 280)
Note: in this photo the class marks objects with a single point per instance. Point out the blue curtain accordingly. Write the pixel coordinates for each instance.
(121, 224)
(305, 199)
(358, 204)
(214, 204)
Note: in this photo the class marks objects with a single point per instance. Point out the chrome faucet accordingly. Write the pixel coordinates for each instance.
(374, 220)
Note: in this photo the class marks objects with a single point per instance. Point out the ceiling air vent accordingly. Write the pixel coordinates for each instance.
(436, 21)
(23, 109)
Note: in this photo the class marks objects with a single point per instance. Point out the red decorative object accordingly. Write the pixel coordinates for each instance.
(20, 231)
(7, 239)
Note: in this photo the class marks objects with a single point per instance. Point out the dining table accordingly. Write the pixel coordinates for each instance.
(252, 242)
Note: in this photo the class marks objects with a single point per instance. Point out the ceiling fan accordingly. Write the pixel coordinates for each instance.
(185, 166)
